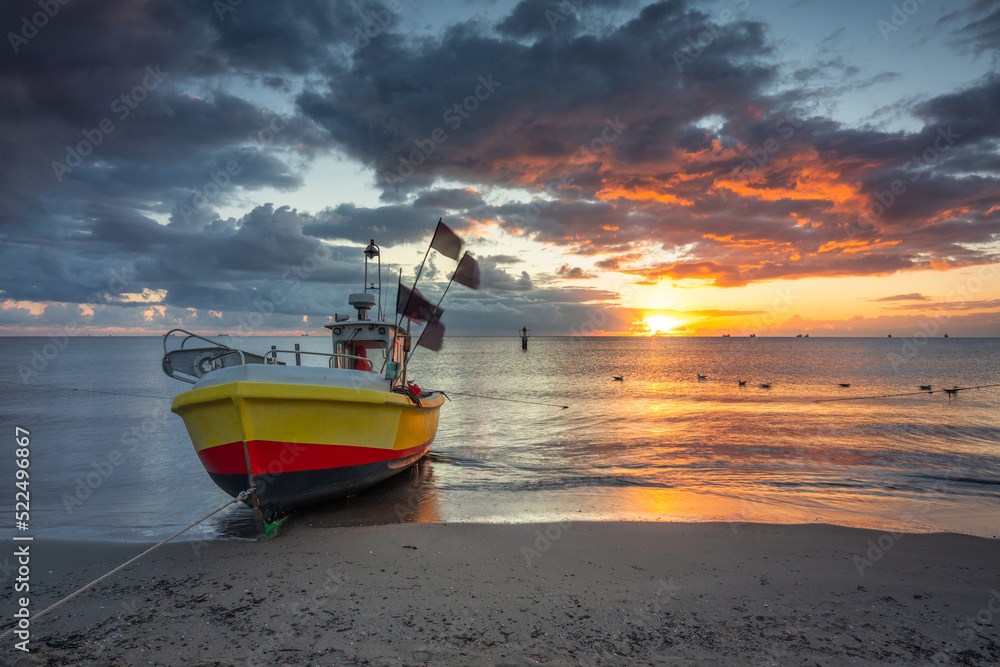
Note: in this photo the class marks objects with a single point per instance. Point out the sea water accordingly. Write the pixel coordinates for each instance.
(110, 461)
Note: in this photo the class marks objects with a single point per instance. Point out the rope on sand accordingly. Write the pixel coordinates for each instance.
(243, 496)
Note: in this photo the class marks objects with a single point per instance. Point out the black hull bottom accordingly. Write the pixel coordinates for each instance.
(280, 494)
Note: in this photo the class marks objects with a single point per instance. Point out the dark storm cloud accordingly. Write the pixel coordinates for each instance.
(454, 199)
(472, 106)
(494, 277)
(116, 110)
(535, 18)
(297, 37)
(664, 128)
(125, 103)
(389, 225)
(224, 264)
(538, 18)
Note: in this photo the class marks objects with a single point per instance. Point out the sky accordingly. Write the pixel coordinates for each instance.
(778, 167)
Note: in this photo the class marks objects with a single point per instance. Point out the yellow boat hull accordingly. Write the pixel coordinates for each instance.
(299, 444)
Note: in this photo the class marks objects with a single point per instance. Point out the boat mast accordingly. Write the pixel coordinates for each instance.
(374, 251)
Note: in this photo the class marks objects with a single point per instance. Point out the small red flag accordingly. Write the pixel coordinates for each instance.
(446, 241)
(432, 336)
(467, 272)
(410, 303)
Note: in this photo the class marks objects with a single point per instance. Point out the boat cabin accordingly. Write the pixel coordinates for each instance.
(367, 345)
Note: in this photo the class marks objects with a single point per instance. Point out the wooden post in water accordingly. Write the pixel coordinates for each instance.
(524, 338)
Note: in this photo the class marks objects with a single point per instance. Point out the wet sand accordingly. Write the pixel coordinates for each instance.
(520, 594)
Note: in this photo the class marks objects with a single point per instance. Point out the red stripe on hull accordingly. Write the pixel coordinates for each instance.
(270, 457)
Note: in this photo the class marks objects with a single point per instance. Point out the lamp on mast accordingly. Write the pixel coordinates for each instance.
(372, 251)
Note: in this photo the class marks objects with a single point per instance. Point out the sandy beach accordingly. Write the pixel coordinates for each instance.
(520, 594)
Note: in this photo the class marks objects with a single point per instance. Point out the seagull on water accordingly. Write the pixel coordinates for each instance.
(701, 377)
(620, 378)
(743, 383)
(845, 384)
(925, 387)
(766, 386)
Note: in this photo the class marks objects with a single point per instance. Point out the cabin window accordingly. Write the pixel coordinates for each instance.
(372, 353)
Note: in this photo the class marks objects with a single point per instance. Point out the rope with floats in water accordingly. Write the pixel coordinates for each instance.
(241, 497)
(511, 400)
(954, 390)
(89, 391)
(168, 398)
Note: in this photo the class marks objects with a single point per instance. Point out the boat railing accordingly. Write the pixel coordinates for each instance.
(272, 356)
(188, 336)
(190, 363)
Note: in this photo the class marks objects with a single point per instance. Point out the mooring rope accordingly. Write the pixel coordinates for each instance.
(170, 398)
(241, 497)
(511, 400)
(909, 393)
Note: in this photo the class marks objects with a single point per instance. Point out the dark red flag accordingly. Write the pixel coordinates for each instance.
(413, 305)
(432, 336)
(467, 272)
(446, 241)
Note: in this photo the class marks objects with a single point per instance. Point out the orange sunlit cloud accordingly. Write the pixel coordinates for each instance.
(616, 192)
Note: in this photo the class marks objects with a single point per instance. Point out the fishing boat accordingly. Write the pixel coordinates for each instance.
(296, 435)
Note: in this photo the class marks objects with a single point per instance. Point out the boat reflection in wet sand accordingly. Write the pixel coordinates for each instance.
(299, 435)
